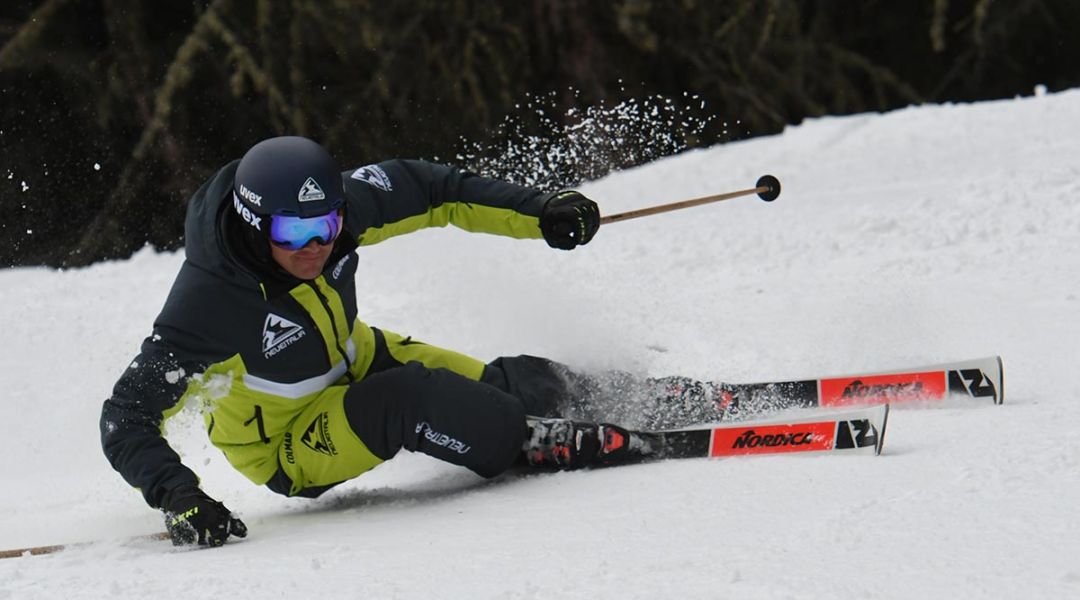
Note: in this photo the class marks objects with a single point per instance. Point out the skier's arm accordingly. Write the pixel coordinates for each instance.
(401, 196)
(146, 394)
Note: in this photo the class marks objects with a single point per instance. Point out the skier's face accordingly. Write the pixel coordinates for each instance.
(305, 263)
(302, 245)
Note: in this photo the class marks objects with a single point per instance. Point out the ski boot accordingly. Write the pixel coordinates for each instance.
(567, 444)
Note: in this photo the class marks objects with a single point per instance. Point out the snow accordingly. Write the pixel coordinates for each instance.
(920, 236)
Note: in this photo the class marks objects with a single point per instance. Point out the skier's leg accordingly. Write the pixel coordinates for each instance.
(544, 388)
(350, 429)
(437, 412)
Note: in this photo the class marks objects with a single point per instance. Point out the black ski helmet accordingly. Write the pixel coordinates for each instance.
(286, 175)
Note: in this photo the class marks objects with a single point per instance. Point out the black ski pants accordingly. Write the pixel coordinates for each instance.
(406, 401)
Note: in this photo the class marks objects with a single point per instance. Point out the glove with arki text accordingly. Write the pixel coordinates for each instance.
(193, 517)
(569, 219)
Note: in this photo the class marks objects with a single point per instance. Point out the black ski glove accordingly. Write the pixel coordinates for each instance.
(569, 219)
(191, 516)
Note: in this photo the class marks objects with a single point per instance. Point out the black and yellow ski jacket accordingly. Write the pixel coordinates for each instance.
(251, 347)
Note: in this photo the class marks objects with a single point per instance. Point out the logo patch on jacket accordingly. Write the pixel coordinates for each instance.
(278, 334)
(375, 176)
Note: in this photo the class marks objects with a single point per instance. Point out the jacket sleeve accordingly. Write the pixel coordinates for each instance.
(146, 394)
(401, 196)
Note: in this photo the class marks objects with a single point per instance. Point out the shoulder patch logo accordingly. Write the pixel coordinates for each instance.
(310, 191)
(375, 176)
(278, 334)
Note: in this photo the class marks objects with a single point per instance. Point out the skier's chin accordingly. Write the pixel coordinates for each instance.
(306, 263)
(307, 272)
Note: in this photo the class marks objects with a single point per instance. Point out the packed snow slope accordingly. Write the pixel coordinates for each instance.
(919, 236)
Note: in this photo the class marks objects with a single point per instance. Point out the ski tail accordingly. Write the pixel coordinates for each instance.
(855, 430)
(980, 379)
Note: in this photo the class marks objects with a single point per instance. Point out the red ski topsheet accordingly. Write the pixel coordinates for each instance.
(881, 389)
(772, 439)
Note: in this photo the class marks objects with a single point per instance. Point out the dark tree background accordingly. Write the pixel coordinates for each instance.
(114, 111)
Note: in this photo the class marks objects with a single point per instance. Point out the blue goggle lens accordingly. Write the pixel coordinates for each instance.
(293, 233)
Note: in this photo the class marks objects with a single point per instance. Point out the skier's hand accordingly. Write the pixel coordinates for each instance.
(569, 219)
(191, 516)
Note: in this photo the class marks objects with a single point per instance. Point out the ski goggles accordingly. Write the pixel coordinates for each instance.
(293, 233)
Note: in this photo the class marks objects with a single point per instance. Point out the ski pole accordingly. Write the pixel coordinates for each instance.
(767, 188)
(36, 550)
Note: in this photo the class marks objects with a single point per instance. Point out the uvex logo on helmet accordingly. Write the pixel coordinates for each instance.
(250, 196)
(245, 213)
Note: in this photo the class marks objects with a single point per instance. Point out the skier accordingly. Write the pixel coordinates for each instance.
(260, 329)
